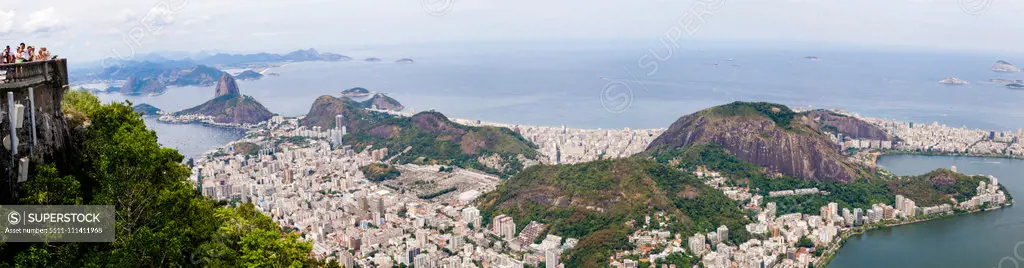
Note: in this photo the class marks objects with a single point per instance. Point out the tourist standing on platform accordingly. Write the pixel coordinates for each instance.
(44, 54)
(5, 58)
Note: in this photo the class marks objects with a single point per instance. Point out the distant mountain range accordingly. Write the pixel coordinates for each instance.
(239, 60)
(142, 78)
(152, 73)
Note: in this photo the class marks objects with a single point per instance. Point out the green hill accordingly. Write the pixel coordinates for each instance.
(433, 139)
(933, 188)
(234, 109)
(768, 135)
(595, 201)
(430, 137)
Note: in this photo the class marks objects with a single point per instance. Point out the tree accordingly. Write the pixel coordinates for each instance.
(805, 242)
(161, 219)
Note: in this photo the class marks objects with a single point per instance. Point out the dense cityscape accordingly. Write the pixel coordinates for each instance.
(310, 181)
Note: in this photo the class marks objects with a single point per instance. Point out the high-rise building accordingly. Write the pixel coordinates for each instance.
(423, 261)
(551, 258)
(378, 205)
(697, 244)
(504, 226)
(910, 208)
(471, 215)
(713, 238)
(422, 237)
(899, 203)
(723, 233)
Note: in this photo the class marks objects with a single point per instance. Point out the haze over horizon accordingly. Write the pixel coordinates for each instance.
(91, 31)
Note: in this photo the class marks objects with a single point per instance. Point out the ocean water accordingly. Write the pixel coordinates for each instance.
(986, 239)
(609, 89)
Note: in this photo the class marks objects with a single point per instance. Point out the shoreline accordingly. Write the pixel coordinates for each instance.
(904, 152)
(834, 248)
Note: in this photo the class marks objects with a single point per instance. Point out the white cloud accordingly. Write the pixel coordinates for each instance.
(6, 21)
(43, 21)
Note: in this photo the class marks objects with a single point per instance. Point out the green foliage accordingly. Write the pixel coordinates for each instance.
(49, 188)
(778, 113)
(625, 189)
(77, 105)
(805, 242)
(438, 193)
(378, 172)
(829, 129)
(713, 157)
(161, 220)
(937, 187)
(297, 140)
(857, 194)
(860, 193)
(680, 259)
(459, 146)
(246, 148)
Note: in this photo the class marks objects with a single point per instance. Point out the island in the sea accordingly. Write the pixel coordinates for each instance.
(248, 75)
(1015, 86)
(355, 92)
(146, 109)
(1005, 67)
(405, 61)
(953, 81)
(372, 59)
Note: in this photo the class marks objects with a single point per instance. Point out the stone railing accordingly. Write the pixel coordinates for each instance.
(19, 75)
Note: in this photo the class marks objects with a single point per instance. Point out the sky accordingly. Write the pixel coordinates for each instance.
(93, 30)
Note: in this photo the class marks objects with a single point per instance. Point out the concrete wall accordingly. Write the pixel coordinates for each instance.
(53, 138)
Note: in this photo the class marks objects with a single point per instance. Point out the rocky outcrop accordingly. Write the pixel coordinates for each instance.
(846, 125)
(226, 85)
(768, 135)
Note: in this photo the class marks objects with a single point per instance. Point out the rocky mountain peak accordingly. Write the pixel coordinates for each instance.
(226, 86)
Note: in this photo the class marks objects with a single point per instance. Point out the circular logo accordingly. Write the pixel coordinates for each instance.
(14, 217)
(616, 97)
(975, 7)
(437, 7)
